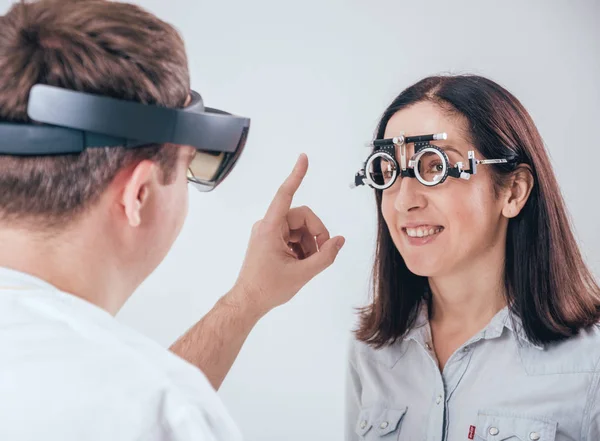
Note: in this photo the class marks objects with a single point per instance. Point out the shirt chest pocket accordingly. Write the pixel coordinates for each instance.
(378, 423)
(501, 427)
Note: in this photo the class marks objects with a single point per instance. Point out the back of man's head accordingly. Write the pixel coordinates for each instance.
(96, 46)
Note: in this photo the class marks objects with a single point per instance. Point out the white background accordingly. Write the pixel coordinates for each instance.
(314, 76)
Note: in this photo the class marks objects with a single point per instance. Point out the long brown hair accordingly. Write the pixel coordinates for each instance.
(547, 284)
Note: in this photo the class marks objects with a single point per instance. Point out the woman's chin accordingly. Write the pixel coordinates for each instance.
(424, 266)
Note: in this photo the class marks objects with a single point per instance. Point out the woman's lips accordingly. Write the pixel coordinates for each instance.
(422, 234)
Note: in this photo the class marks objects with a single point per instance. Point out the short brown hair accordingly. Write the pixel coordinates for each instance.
(96, 46)
(547, 283)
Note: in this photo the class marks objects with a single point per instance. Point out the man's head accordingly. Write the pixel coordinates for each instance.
(136, 197)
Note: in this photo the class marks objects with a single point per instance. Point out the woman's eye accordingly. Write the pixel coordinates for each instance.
(437, 167)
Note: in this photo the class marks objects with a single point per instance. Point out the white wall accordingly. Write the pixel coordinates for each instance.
(314, 76)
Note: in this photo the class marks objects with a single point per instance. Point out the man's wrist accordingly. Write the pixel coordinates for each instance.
(241, 301)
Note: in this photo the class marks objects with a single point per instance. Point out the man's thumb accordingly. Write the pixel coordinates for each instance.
(326, 255)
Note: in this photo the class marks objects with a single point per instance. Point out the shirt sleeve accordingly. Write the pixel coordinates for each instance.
(181, 420)
(191, 425)
(187, 424)
(592, 421)
(353, 395)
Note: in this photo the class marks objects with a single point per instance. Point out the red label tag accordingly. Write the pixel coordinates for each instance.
(472, 432)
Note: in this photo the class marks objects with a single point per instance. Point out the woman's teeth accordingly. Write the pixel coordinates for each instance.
(423, 231)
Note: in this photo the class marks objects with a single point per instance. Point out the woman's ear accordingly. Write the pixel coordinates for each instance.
(519, 188)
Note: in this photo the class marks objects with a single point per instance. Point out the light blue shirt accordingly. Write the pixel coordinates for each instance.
(498, 386)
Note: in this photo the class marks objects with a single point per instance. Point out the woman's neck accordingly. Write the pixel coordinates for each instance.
(463, 304)
(470, 298)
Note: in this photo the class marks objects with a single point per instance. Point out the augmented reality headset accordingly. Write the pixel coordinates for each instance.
(68, 122)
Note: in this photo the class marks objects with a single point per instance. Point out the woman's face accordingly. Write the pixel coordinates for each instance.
(445, 229)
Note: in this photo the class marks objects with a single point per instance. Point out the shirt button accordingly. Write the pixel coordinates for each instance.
(494, 431)
(466, 349)
(534, 436)
(363, 424)
(384, 425)
(428, 346)
(438, 400)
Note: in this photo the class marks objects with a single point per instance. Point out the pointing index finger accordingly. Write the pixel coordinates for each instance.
(283, 198)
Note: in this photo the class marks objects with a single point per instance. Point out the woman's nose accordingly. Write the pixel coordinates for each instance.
(409, 195)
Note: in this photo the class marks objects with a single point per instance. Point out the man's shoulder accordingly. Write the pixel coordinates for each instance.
(96, 344)
(96, 370)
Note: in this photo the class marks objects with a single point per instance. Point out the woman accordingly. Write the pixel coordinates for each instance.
(483, 319)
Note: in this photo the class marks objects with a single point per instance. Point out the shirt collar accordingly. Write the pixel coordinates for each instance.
(419, 332)
(13, 279)
(504, 319)
(515, 324)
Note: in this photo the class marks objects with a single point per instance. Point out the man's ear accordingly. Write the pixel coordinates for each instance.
(136, 191)
(520, 185)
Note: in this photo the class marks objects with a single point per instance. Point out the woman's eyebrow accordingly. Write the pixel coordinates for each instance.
(452, 149)
(445, 148)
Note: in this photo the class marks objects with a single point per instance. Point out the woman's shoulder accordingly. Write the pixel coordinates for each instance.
(387, 355)
(579, 353)
(587, 341)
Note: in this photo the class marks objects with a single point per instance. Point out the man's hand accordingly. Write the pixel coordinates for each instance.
(287, 249)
